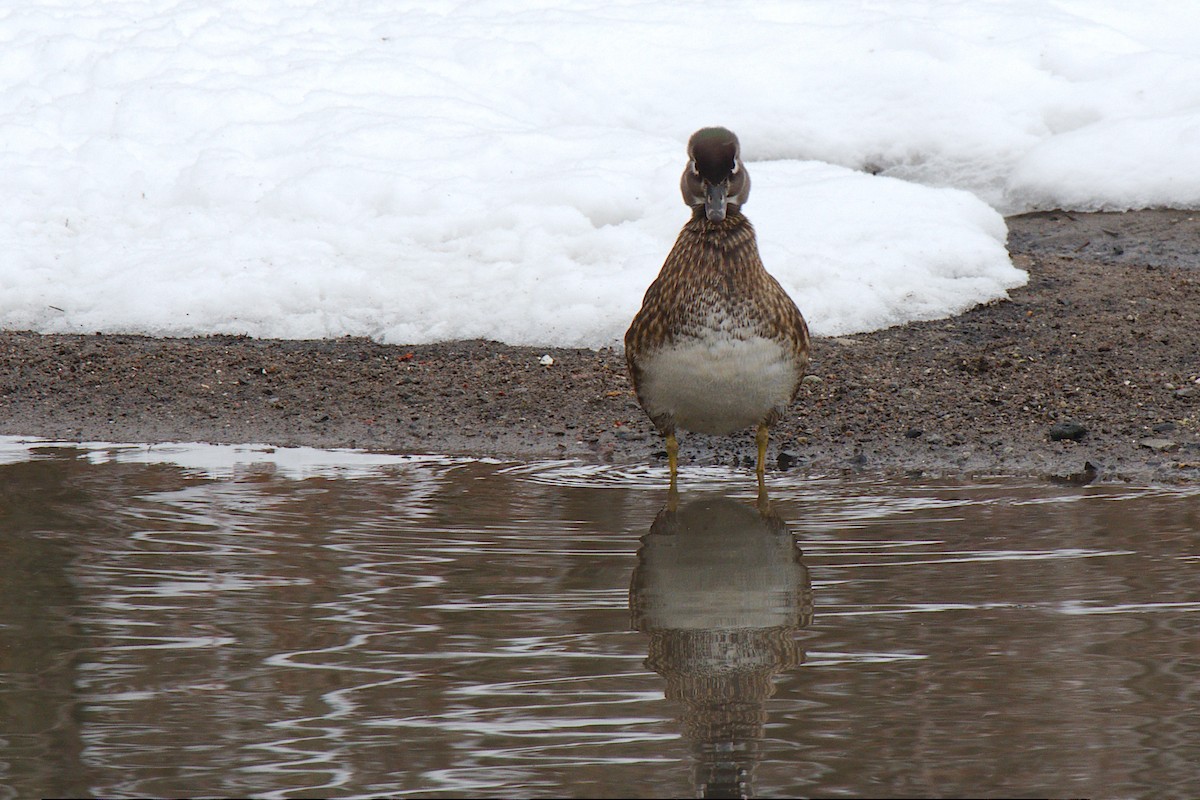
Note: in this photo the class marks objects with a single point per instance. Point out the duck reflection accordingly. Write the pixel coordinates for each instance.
(720, 588)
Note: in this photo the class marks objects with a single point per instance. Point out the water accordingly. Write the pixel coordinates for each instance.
(183, 621)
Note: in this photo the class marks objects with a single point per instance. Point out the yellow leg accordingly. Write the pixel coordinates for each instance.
(673, 465)
(673, 456)
(761, 438)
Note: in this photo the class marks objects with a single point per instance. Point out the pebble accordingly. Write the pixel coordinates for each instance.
(913, 433)
(812, 379)
(1159, 445)
(1067, 430)
(1081, 478)
(1187, 391)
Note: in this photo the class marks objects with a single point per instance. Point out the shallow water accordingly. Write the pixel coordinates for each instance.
(182, 621)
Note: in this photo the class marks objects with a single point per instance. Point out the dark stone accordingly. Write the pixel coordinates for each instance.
(1067, 430)
(1163, 427)
(785, 461)
(913, 433)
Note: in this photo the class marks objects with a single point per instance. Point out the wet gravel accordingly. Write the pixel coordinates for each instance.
(1090, 372)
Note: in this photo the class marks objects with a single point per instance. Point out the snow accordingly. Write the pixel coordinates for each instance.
(508, 170)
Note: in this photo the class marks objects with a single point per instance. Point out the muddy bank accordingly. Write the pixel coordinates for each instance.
(1106, 337)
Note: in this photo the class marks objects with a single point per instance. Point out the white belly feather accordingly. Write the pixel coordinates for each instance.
(717, 384)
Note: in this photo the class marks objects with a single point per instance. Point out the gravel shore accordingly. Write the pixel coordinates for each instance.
(1090, 372)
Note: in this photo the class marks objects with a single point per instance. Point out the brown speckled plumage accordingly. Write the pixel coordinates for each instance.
(713, 264)
(714, 290)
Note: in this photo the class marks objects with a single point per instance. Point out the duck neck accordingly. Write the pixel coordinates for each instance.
(726, 245)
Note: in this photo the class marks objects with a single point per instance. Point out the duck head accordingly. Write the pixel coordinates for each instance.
(715, 177)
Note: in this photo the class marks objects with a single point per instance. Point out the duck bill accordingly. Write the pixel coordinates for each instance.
(716, 200)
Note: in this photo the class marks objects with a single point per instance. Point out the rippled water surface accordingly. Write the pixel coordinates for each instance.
(185, 621)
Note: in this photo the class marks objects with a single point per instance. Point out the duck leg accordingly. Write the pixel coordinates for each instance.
(761, 438)
(673, 465)
(673, 457)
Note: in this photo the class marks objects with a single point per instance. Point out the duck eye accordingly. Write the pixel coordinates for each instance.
(736, 166)
(695, 169)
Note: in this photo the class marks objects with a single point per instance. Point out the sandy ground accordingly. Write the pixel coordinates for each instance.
(1104, 340)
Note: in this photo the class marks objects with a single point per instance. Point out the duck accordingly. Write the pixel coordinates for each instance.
(718, 344)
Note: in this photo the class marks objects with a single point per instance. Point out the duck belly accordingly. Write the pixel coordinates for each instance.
(717, 384)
